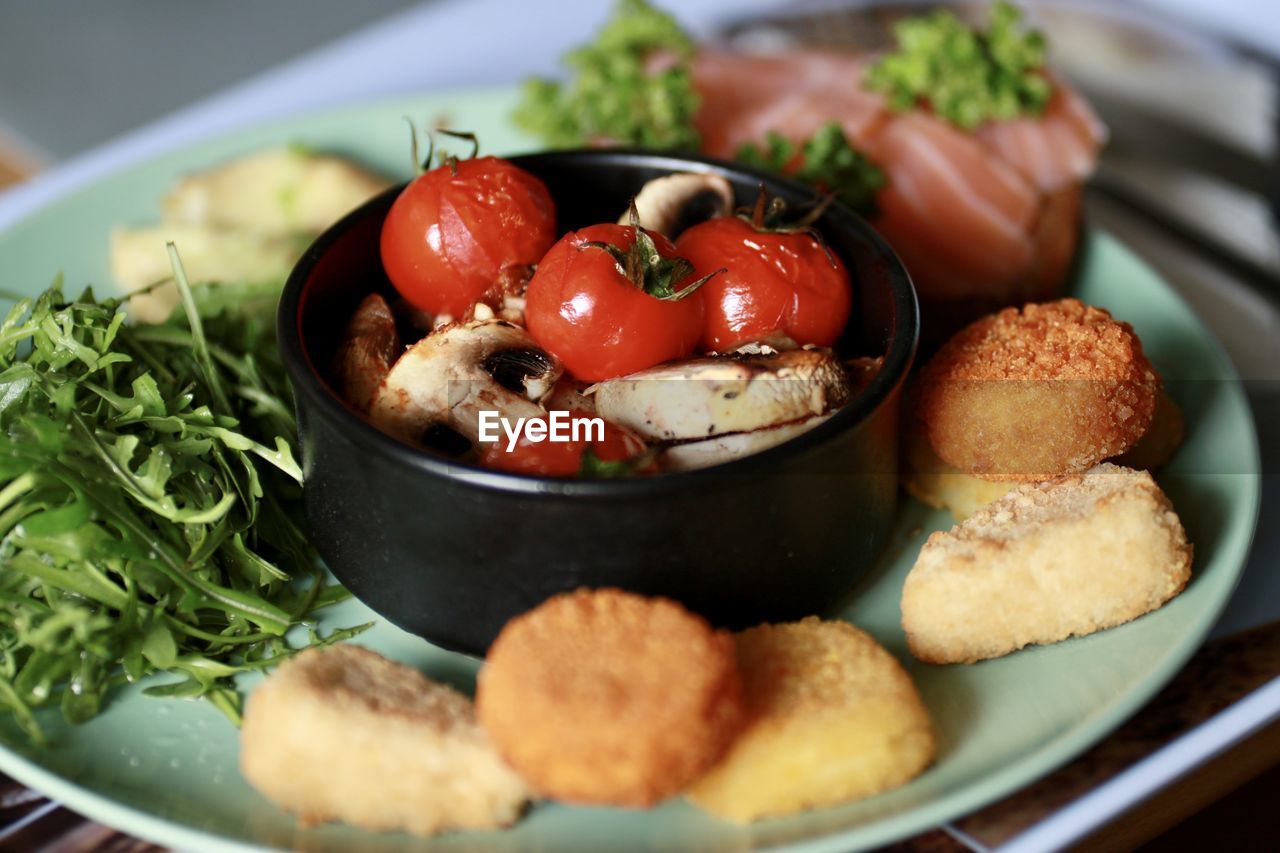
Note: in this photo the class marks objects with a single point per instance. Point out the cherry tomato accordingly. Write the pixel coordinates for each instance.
(454, 228)
(565, 458)
(774, 282)
(582, 306)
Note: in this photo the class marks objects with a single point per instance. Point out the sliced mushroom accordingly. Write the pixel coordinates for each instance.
(723, 448)
(673, 202)
(449, 377)
(570, 395)
(369, 347)
(706, 397)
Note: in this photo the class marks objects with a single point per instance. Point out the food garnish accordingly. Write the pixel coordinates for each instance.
(631, 86)
(826, 160)
(148, 505)
(965, 74)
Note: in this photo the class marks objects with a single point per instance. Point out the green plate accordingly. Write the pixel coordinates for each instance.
(166, 769)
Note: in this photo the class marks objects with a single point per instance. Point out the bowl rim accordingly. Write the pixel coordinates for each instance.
(308, 382)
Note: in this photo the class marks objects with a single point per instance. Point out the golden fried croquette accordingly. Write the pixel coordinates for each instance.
(934, 482)
(832, 717)
(1043, 563)
(1160, 441)
(604, 696)
(1032, 394)
(344, 734)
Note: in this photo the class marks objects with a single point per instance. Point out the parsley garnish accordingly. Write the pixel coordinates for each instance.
(826, 160)
(614, 95)
(966, 75)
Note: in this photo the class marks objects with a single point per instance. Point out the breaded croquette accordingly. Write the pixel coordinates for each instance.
(1032, 394)
(1160, 441)
(605, 696)
(934, 482)
(344, 734)
(832, 717)
(1045, 562)
(941, 486)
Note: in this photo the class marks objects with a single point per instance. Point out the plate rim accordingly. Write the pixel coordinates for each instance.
(1030, 766)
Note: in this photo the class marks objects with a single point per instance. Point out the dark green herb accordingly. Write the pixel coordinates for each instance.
(592, 467)
(616, 94)
(964, 74)
(149, 499)
(826, 160)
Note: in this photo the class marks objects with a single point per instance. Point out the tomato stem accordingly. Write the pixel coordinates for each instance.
(768, 216)
(645, 267)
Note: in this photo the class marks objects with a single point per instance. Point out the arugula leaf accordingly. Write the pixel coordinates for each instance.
(631, 86)
(149, 503)
(826, 160)
(966, 75)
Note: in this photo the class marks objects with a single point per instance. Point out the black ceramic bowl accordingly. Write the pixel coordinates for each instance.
(451, 552)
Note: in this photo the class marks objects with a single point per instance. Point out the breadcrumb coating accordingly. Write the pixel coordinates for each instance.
(1041, 392)
(344, 734)
(1043, 563)
(832, 717)
(605, 696)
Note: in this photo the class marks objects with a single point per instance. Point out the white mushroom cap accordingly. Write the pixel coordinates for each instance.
(661, 201)
(721, 395)
(453, 374)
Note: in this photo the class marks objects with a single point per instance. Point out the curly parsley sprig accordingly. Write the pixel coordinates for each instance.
(965, 74)
(826, 160)
(616, 95)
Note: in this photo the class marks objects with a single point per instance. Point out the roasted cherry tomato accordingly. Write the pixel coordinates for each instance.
(456, 227)
(607, 304)
(616, 454)
(775, 282)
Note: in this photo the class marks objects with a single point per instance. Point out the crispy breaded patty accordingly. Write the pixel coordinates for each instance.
(344, 734)
(604, 696)
(1045, 562)
(1037, 393)
(832, 717)
(1161, 440)
(941, 486)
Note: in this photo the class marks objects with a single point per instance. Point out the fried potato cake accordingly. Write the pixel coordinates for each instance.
(1043, 563)
(941, 486)
(1032, 394)
(832, 717)
(344, 734)
(604, 696)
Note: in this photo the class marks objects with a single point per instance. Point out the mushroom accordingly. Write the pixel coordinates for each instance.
(680, 199)
(449, 377)
(722, 448)
(724, 395)
(369, 347)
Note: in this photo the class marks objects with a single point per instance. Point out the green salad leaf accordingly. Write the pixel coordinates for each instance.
(826, 160)
(631, 86)
(964, 74)
(149, 504)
